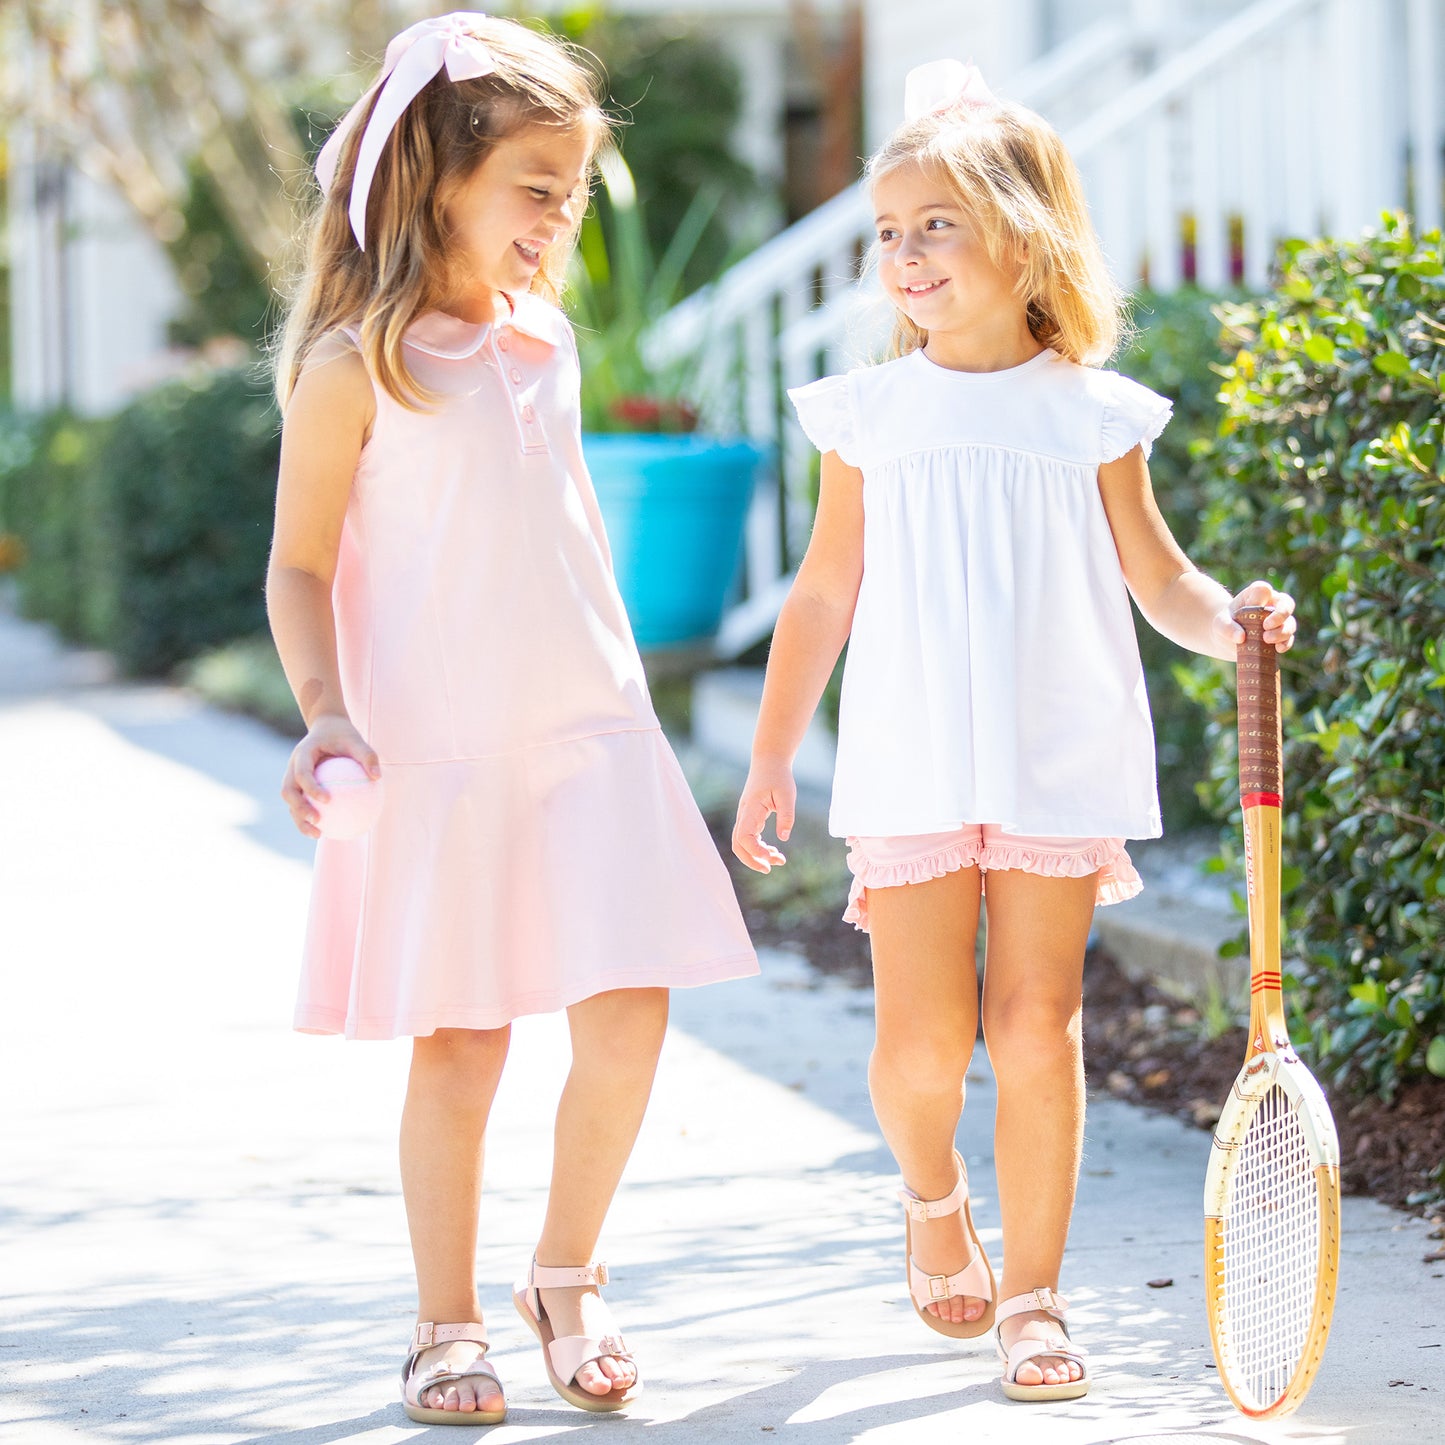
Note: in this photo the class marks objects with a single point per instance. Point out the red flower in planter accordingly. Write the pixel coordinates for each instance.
(654, 414)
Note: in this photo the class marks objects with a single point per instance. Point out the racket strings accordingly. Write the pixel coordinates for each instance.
(1271, 1251)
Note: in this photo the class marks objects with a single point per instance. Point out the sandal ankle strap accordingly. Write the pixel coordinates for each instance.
(920, 1210)
(428, 1334)
(546, 1276)
(1050, 1301)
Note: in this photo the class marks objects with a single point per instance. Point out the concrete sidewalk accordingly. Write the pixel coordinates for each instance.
(202, 1236)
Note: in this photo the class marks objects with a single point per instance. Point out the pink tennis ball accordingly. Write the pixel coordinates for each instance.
(355, 798)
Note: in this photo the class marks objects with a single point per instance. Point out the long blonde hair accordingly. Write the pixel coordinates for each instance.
(1011, 173)
(439, 141)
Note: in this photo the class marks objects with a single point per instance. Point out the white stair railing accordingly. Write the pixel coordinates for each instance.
(1294, 117)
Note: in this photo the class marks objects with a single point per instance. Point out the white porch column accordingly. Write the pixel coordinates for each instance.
(91, 291)
(40, 365)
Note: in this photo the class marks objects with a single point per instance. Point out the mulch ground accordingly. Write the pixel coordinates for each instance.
(1142, 1045)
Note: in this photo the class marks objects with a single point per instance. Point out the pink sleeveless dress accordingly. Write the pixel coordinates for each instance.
(538, 843)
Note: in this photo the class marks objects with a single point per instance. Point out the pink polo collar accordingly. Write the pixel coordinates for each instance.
(449, 337)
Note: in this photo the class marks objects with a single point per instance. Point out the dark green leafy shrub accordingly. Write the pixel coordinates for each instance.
(1327, 478)
(189, 476)
(147, 533)
(50, 500)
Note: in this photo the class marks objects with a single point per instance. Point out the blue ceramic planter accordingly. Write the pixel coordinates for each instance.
(674, 508)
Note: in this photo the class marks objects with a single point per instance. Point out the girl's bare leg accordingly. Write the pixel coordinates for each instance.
(1038, 929)
(926, 1001)
(616, 1039)
(454, 1077)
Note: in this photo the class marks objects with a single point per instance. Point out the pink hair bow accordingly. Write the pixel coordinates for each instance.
(412, 59)
(942, 84)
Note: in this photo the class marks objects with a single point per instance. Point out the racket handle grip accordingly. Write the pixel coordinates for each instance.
(1257, 683)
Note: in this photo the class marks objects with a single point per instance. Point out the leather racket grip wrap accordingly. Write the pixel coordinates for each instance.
(1257, 684)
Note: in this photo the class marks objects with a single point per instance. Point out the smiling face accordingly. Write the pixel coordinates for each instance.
(933, 262)
(526, 195)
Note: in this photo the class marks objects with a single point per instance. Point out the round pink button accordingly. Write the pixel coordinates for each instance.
(516, 375)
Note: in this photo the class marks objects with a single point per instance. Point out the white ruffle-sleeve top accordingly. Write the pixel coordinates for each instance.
(993, 674)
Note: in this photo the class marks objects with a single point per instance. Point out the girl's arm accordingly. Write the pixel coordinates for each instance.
(327, 421)
(812, 628)
(1175, 597)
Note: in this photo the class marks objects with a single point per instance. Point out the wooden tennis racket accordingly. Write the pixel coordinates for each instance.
(1272, 1193)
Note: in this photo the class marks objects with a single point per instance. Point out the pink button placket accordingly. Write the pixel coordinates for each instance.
(524, 414)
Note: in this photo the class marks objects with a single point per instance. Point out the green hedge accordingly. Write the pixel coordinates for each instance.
(147, 534)
(1327, 478)
(49, 499)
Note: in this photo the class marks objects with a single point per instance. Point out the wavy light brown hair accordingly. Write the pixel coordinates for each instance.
(1011, 173)
(437, 144)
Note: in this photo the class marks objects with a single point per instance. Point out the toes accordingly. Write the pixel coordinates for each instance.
(591, 1379)
(972, 1309)
(489, 1396)
(620, 1372)
(1029, 1373)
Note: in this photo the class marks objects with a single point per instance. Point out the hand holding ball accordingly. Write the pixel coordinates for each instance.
(355, 798)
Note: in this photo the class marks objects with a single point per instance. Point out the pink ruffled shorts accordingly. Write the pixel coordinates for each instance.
(889, 862)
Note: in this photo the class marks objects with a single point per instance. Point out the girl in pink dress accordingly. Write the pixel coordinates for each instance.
(985, 512)
(442, 597)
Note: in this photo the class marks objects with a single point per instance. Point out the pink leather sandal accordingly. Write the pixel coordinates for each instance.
(564, 1357)
(1058, 1346)
(414, 1382)
(975, 1278)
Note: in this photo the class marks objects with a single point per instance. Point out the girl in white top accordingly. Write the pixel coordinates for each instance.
(985, 514)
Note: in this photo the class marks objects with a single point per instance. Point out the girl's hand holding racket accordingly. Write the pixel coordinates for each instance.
(769, 789)
(330, 736)
(1279, 622)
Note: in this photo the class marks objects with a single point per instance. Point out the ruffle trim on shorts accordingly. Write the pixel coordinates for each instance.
(1118, 879)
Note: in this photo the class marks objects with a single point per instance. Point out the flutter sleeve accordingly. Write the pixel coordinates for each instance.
(1133, 416)
(826, 413)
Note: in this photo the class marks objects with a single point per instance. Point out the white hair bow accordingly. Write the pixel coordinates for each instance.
(942, 84)
(412, 59)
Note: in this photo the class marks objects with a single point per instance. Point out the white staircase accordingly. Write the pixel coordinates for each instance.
(1292, 118)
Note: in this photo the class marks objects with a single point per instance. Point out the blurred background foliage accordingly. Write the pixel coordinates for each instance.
(147, 533)
(679, 98)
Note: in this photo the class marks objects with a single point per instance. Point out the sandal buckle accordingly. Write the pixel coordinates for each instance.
(938, 1287)
(425, 1336)
(601, 1271)
(917, 1209)
(1048, 1299)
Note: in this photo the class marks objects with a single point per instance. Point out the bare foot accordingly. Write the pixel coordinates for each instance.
(1042, 1369)
(474, 1393)
(942, 1246)
(584, 1312)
